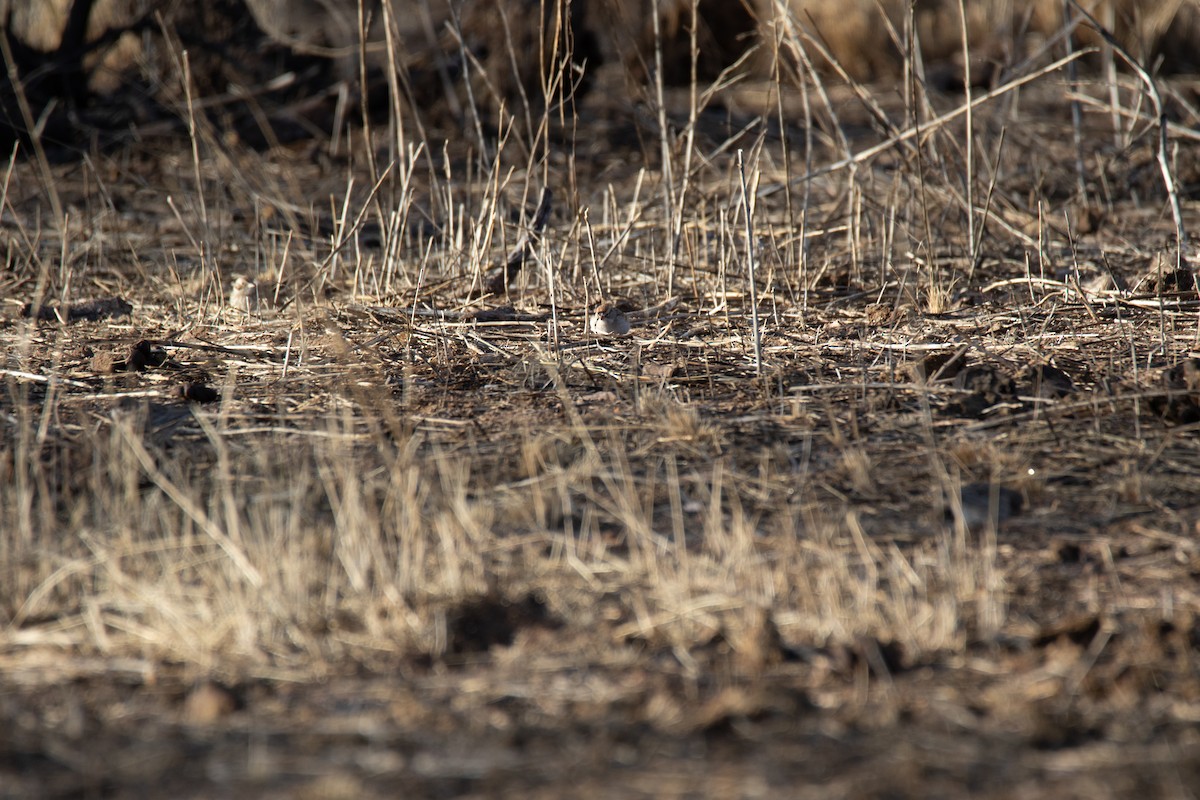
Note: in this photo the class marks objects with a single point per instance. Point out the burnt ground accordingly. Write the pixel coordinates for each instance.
(368, 532)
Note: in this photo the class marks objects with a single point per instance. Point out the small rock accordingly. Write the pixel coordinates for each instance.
(197, 393)
(106, 363)
(939, 366)
(143, 356)
(977, 508)
(879, 314)
(208, 702)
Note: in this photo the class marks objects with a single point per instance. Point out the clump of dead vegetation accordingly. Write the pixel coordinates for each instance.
(887, 486)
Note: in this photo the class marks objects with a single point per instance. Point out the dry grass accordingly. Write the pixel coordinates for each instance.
(428, 540)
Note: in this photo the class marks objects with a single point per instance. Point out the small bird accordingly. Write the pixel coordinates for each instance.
(608, 320)
(244, 294)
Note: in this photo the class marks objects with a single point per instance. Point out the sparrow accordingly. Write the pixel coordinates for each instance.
(244, 294)
(608, 320)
